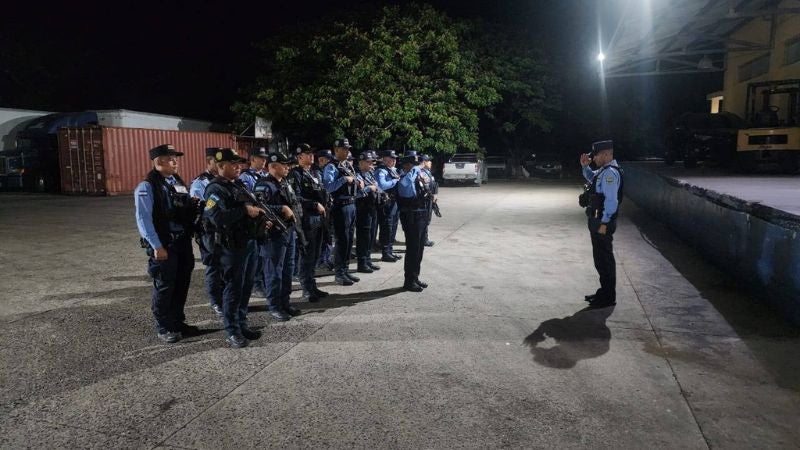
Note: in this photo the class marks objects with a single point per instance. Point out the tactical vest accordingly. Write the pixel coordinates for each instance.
(346, 191)
(178, 208)
(236, 235)
(309, 186)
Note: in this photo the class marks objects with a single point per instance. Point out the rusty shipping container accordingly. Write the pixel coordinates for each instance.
(112, 161)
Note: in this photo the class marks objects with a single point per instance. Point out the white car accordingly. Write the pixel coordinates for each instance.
(464, 168)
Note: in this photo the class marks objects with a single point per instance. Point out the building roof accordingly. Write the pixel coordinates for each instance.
(657, 37)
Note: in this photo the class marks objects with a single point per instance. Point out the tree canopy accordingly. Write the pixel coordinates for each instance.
(411, 77)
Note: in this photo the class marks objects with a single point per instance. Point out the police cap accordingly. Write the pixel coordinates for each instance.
(342, 143)
(425, 158)
(367, 155)
(303, 148)
(278, 158)
(389, 153)
(228, 154)
(602, 145)
(261, 152)
(164, 150)
(211, 151)
(325, 153)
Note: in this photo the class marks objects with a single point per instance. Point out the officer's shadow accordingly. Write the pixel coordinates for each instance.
(582, 335)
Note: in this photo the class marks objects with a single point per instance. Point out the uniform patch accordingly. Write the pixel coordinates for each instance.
(212, 201)
(610, 178)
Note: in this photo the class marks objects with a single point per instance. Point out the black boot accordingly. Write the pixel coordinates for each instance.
(410, 285)
(363, 267)
(372, 266)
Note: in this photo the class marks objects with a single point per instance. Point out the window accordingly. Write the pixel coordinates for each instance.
(791, 51)
(754, 68)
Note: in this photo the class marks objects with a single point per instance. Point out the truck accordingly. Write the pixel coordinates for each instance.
(464, 168)
(773, 134)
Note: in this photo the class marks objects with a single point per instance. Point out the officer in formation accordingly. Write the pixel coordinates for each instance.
(427, 164)
(307, 185)
(325, 157)
(413, 198)
(277, 253)
(258, 159)
(368, 199)
(165, 215)
(604, 195)
(205, 241)
(341, 182)
(231, 213)
(387, 177)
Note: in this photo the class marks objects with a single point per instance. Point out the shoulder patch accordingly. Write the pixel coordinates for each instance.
(610, 178)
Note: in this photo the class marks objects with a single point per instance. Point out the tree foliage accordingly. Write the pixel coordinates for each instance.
(412, 77)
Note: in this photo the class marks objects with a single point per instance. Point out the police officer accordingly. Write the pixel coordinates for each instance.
(205, 241)
(311, 194)
(412, 197)
(325, 157)
(258, 159)
(368, 199)
(277, 253)
(433, 187)
(387, 177)
(231, 214)
(341, 182)
(605, 193)
(164, 216)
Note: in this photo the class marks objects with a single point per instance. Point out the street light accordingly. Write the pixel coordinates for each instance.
(601, 56)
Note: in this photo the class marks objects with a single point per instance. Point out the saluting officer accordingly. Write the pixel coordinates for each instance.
(340, 181)
(412, 197)
(387, 177)
(605, 194)
(258, 159)
(164, 216)
(231, 214)
(311, 194)
(205, 241)
(368, 199)
(277, 253)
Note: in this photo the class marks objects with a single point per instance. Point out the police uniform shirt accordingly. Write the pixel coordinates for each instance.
(199, 185)
(249, 177)
(608, 186)
(385, 179)
(332, 179)
(143, 200)
(222, 207)
(407, 186)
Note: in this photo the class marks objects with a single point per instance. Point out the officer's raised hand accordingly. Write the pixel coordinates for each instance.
(585, 159)
(252, 211)
(160, 254)
(288, 214)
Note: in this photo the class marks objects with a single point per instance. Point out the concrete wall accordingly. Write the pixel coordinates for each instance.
(13, 120)
(757, 30)
(754, 243)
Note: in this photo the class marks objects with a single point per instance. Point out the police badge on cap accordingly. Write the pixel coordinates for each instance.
(278, 158)
(342, 143)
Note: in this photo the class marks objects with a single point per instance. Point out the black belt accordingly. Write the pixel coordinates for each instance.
(344, 201)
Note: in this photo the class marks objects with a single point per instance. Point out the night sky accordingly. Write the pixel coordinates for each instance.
(190, 58)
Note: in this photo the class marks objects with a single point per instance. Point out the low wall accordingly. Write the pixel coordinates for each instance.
(756, 244)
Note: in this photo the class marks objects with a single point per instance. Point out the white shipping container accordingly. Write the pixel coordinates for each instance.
(124, 118)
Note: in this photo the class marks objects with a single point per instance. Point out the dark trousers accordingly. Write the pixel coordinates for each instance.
(344, 221)
(238, 269)
(387, 217)
(278, 259)
(313, 229)
(209, 254)
(366, 223)
(171, 278)
(604, 262)
(415, 227)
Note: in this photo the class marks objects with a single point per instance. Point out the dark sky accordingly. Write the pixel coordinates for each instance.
(189, 58)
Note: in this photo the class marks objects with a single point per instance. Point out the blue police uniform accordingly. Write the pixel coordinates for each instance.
(412, 197)
(387, 178)
(367, 201)
(433, 187)
(277, 253)
(343, 213)
(307, 185)
(208, 254)
(226, 214)
(250, 177)
(164, 216)
(606, 189)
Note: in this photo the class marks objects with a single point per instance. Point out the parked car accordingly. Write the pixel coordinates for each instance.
(464, 168)
(497, 167)
(696, 137)
(545, 165)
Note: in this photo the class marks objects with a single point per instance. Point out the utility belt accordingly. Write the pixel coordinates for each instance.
(596, 206)
(343, 201)
(171, 238)
(411, 203)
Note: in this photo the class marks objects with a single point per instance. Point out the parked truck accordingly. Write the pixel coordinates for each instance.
(464, 168)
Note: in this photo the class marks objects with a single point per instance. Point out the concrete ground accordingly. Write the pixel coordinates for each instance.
(497, 352)
(778, 191)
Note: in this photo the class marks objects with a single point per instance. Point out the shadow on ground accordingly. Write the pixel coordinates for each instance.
(583, 335)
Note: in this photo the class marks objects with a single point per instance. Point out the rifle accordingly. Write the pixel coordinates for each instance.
(278, 223)
(435, 207)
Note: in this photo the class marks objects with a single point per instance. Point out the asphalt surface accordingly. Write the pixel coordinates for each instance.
(497, 352)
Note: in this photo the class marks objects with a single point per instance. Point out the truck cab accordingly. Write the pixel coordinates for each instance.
(465, 168)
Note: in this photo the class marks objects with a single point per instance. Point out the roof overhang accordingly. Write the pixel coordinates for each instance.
(663, 37)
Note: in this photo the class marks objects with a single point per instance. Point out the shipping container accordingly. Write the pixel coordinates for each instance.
(125, 118)
(112, 161)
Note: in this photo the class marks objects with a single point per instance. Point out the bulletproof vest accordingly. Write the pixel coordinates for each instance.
(175, 205)
(205, 176)
(310, 187)
(237, 234)
(597, 200)
(372, 198)
(253, 174)
(422, 197)
(347, 190)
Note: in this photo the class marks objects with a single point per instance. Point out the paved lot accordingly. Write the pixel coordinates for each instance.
(496, 353)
